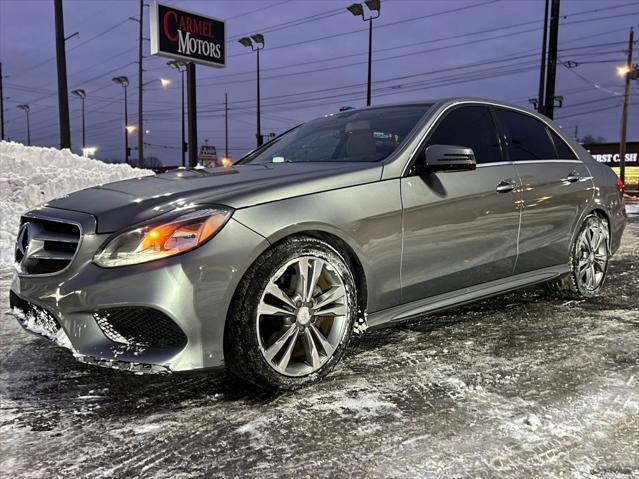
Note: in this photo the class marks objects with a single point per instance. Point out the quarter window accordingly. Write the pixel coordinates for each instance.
(471, 127)
(563, 151)
(528, 138)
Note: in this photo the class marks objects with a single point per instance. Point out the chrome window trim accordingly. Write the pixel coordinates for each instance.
(490, 104)
(75, 254)
(493, 163)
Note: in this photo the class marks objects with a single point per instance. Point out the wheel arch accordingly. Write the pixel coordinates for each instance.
(597, 210)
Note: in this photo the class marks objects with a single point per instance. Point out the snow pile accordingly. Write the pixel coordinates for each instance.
(30, 176)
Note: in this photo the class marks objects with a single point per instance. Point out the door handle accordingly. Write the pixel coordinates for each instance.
(572, 177)
(504, 186)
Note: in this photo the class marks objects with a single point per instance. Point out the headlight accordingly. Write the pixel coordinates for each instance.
(160, 240)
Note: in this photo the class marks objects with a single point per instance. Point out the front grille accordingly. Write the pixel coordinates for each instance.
(34, 318)
(45, 246)
(141, 327)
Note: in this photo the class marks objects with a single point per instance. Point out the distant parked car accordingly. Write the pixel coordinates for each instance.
(364, 217)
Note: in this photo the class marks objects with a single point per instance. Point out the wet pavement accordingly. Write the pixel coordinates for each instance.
(516, 386)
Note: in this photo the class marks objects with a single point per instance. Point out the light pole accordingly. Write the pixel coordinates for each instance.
(254, 42)
(26, 109)
(357, 9)
(180, 67)
(124, 81)
(81, 94)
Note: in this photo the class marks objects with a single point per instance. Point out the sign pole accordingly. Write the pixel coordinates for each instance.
(192, 113)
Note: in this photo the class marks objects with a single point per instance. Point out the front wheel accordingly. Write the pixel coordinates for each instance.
(590, 253)
(292, 315)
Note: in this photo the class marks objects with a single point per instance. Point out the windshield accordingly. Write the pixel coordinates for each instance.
(358, 135)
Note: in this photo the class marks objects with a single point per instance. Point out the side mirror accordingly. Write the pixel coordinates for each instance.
(445, 158)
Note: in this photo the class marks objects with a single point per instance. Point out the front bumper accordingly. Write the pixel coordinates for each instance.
(194, 290)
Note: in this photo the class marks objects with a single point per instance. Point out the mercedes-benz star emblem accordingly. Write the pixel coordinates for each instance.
(22, 244)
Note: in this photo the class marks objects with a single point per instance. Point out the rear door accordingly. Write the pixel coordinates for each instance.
(460, 228)
(556, 185)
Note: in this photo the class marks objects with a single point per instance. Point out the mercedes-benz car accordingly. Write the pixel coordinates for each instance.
(359, 219)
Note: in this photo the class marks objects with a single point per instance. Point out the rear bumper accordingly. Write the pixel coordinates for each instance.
(194, 290)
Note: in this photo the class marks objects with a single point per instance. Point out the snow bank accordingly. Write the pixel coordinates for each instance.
(30, 176)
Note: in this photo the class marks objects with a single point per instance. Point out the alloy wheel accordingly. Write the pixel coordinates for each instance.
(592, 251)
(302, 316)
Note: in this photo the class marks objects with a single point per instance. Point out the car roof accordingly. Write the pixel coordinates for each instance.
(439, 102)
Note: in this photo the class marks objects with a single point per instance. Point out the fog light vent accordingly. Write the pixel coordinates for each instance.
(141, 327)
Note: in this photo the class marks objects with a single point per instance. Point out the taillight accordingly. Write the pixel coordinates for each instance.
(620, 185)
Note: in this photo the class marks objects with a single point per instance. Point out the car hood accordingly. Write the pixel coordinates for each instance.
(124, 203)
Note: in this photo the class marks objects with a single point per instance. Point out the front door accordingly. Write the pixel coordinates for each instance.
(460, 228)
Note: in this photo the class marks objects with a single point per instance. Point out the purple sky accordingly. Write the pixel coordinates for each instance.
(311, 67)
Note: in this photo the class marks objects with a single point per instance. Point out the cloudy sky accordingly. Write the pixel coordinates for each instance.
(314, 62)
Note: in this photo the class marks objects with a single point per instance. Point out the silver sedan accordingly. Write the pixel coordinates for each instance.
(356, 220)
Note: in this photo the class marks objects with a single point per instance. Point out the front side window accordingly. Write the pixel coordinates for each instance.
(351, 136)
(528, 137)
(471, 127)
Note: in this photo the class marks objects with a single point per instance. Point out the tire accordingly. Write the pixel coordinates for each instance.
(589, 256)
(276, 336)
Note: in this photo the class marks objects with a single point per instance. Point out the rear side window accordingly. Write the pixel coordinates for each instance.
(472, 127)
(563, 151)
(528, 138)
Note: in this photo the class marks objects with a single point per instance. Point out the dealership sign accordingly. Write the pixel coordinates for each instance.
(184, 35)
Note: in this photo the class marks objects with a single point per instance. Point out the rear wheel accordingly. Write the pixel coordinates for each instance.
(292, 315)
(589, 261)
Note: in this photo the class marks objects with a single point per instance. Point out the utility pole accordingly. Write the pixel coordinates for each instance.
(1, 105)
(63, 98)
(542, 66)
(192, 111)
(549, 102)
(577, 133)
(140, 90)
(624, 114)
(226, 125)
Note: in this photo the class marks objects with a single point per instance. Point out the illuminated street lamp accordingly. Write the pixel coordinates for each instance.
(124, 82)
(256, 42)
(357, 9)
(89, 151)
(25, 108)
(81, 94)
(131, 128)
(180, 67)
(165, 82)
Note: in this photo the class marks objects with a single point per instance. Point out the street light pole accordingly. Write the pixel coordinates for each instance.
(124, 82)
(81, 94)
(624, 114)
(26, 109)
(256, 43)
(357, 9)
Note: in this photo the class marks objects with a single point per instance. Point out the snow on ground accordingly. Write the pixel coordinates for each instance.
(521, 385)
(31, 175)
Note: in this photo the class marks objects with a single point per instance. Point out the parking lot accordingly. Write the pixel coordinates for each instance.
(515, 386)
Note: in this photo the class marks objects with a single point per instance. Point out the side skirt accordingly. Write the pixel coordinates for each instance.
(463, 296)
